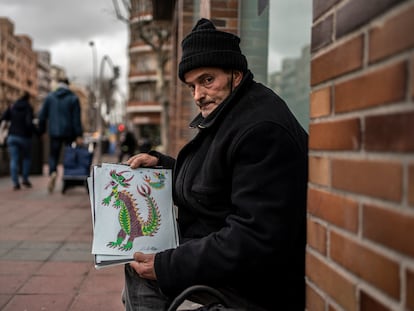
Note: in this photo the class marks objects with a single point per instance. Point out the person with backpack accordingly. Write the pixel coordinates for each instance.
(60, 116)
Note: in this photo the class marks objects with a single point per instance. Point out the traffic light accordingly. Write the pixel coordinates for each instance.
(121, 127)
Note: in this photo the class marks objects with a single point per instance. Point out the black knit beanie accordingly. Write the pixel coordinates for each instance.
(205, 46)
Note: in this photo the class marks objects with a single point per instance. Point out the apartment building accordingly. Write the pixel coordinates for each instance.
(43, 77)
(149, 68)
(24, 69)
(18, 65)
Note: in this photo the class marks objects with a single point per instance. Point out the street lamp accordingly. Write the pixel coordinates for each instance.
(94, 82)
(94, 64)
(115, 71)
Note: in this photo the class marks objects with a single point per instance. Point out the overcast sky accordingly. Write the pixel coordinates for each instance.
(65, 28)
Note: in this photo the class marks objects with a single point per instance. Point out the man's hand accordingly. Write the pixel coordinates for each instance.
(142, 159)
(79, 140)
(144, 265)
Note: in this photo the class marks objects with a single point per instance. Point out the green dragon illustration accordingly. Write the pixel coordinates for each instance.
(131, 222)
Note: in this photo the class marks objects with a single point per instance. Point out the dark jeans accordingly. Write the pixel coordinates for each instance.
(142, 294)
(145, 295)
(56, 146)
(19, 147)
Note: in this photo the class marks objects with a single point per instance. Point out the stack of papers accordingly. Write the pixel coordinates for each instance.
(132, 211)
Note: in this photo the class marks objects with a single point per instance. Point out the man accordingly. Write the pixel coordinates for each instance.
(60, 115)
(240, 188)
(128, 145)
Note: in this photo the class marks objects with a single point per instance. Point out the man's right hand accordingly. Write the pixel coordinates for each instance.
(142, 159)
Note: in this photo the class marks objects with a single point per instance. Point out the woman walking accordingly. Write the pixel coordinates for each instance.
(19, 140)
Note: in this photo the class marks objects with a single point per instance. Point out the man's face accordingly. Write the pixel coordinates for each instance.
(210, 87)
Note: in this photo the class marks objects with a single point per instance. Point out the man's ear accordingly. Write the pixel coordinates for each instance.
(237, 77)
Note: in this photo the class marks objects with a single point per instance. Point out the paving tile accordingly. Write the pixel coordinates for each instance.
(28, 254)
(6, 246)
(19, 267)
(40, 245)
(103, 284)
(40, 302)
(74, 252)
(4, 299)
(17, 234)
(29, 250)
(56, 268)
(102, 302)
(10, 284)
(52, 285)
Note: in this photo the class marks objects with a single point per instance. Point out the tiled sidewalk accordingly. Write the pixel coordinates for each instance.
(45, 259)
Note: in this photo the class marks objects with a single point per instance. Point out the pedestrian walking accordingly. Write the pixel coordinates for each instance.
(239, 186)
(127, 146)
(145, 144)
(19, 139)
(60, 116)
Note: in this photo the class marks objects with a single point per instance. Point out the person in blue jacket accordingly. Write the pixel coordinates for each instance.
(239, 186)
(19, 139)
(60, 116)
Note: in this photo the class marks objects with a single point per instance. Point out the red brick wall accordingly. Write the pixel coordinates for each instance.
(180, 112)
(360, 253)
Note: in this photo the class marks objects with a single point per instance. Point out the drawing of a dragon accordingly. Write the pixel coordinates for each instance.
(131, 222)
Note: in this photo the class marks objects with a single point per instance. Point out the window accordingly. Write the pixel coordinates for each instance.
(289, 54)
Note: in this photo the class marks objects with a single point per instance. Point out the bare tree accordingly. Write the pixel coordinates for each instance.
(156, 34)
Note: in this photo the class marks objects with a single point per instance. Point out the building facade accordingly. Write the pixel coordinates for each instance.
(23, 69)
(43, 77)
(18, 65)
(149, 68)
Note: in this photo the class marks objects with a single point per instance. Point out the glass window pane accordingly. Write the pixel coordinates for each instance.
(289, 54)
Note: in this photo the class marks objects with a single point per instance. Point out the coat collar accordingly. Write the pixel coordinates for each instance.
(200, 122)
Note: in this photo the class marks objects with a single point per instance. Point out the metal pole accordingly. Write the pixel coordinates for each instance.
(100, 101)
(94, 65)
(99, 113)
(98, 121)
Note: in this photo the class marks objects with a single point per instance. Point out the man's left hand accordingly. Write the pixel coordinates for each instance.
(144, 265)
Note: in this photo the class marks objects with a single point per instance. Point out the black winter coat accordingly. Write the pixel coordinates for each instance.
(61, 114)
(240, 188)
(20, 115)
